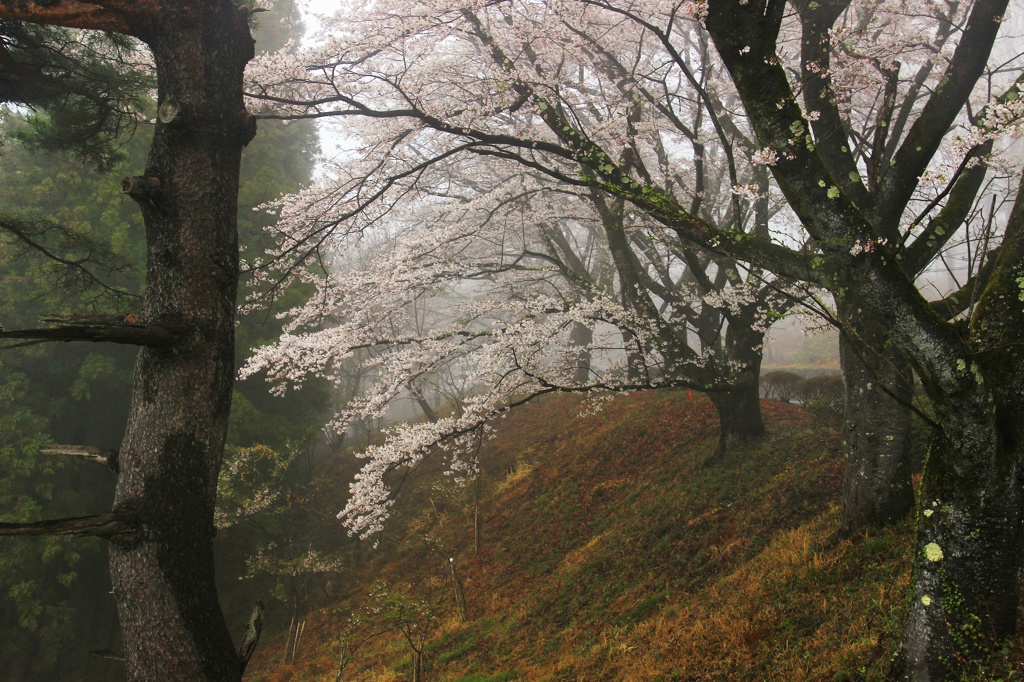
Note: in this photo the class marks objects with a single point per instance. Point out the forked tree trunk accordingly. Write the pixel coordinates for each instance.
(163, 577)
(877, 487)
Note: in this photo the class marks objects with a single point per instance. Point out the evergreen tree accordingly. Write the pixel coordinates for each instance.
(85, 90)
(69, 393)
(70, 241)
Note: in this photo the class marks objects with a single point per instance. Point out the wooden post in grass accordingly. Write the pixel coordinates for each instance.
(460, 593)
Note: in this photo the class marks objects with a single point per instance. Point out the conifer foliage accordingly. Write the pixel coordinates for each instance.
(161, 526)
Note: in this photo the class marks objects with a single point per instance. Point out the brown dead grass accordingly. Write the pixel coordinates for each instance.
(610, 553)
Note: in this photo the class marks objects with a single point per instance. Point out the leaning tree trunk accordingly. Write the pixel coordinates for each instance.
(163, 576)
(877, 487)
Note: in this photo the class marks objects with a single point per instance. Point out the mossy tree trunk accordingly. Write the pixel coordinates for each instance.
(970, 544)
(968, 552)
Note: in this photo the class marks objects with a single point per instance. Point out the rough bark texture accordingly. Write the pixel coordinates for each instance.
(171, 622)
(877, 488)
(739, 417)
(162, 573)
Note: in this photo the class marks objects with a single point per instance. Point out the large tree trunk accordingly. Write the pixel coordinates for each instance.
(581, 336)
(163, 577)
(739, 416)
(970, 545)
(877, 487)
(968, 551)
(739, 409)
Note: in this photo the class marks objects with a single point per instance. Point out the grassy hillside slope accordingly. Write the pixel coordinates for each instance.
(608, 552)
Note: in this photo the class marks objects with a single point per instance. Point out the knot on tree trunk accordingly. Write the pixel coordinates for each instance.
(141, 187)
(172, 112)
(248, 126)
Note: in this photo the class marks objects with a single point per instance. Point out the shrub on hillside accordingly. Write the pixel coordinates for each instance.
(781, 385)
(823, 395)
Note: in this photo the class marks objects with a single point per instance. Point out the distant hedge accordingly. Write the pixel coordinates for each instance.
(781, 385)
(823, 395)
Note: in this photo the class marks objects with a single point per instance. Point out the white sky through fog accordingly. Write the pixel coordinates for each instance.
(315, 7)
(332, 140)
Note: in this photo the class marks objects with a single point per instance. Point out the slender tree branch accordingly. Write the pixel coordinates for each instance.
(897, 184)
(941, 228)
(77, 272)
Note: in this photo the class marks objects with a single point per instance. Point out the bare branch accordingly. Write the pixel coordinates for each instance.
(105, 525)
(108, 458)
(126, 329)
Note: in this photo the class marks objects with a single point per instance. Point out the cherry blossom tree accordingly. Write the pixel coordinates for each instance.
(511, 205)
(875, 230)
(425, 301)
(861, 86)
(880, 123)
